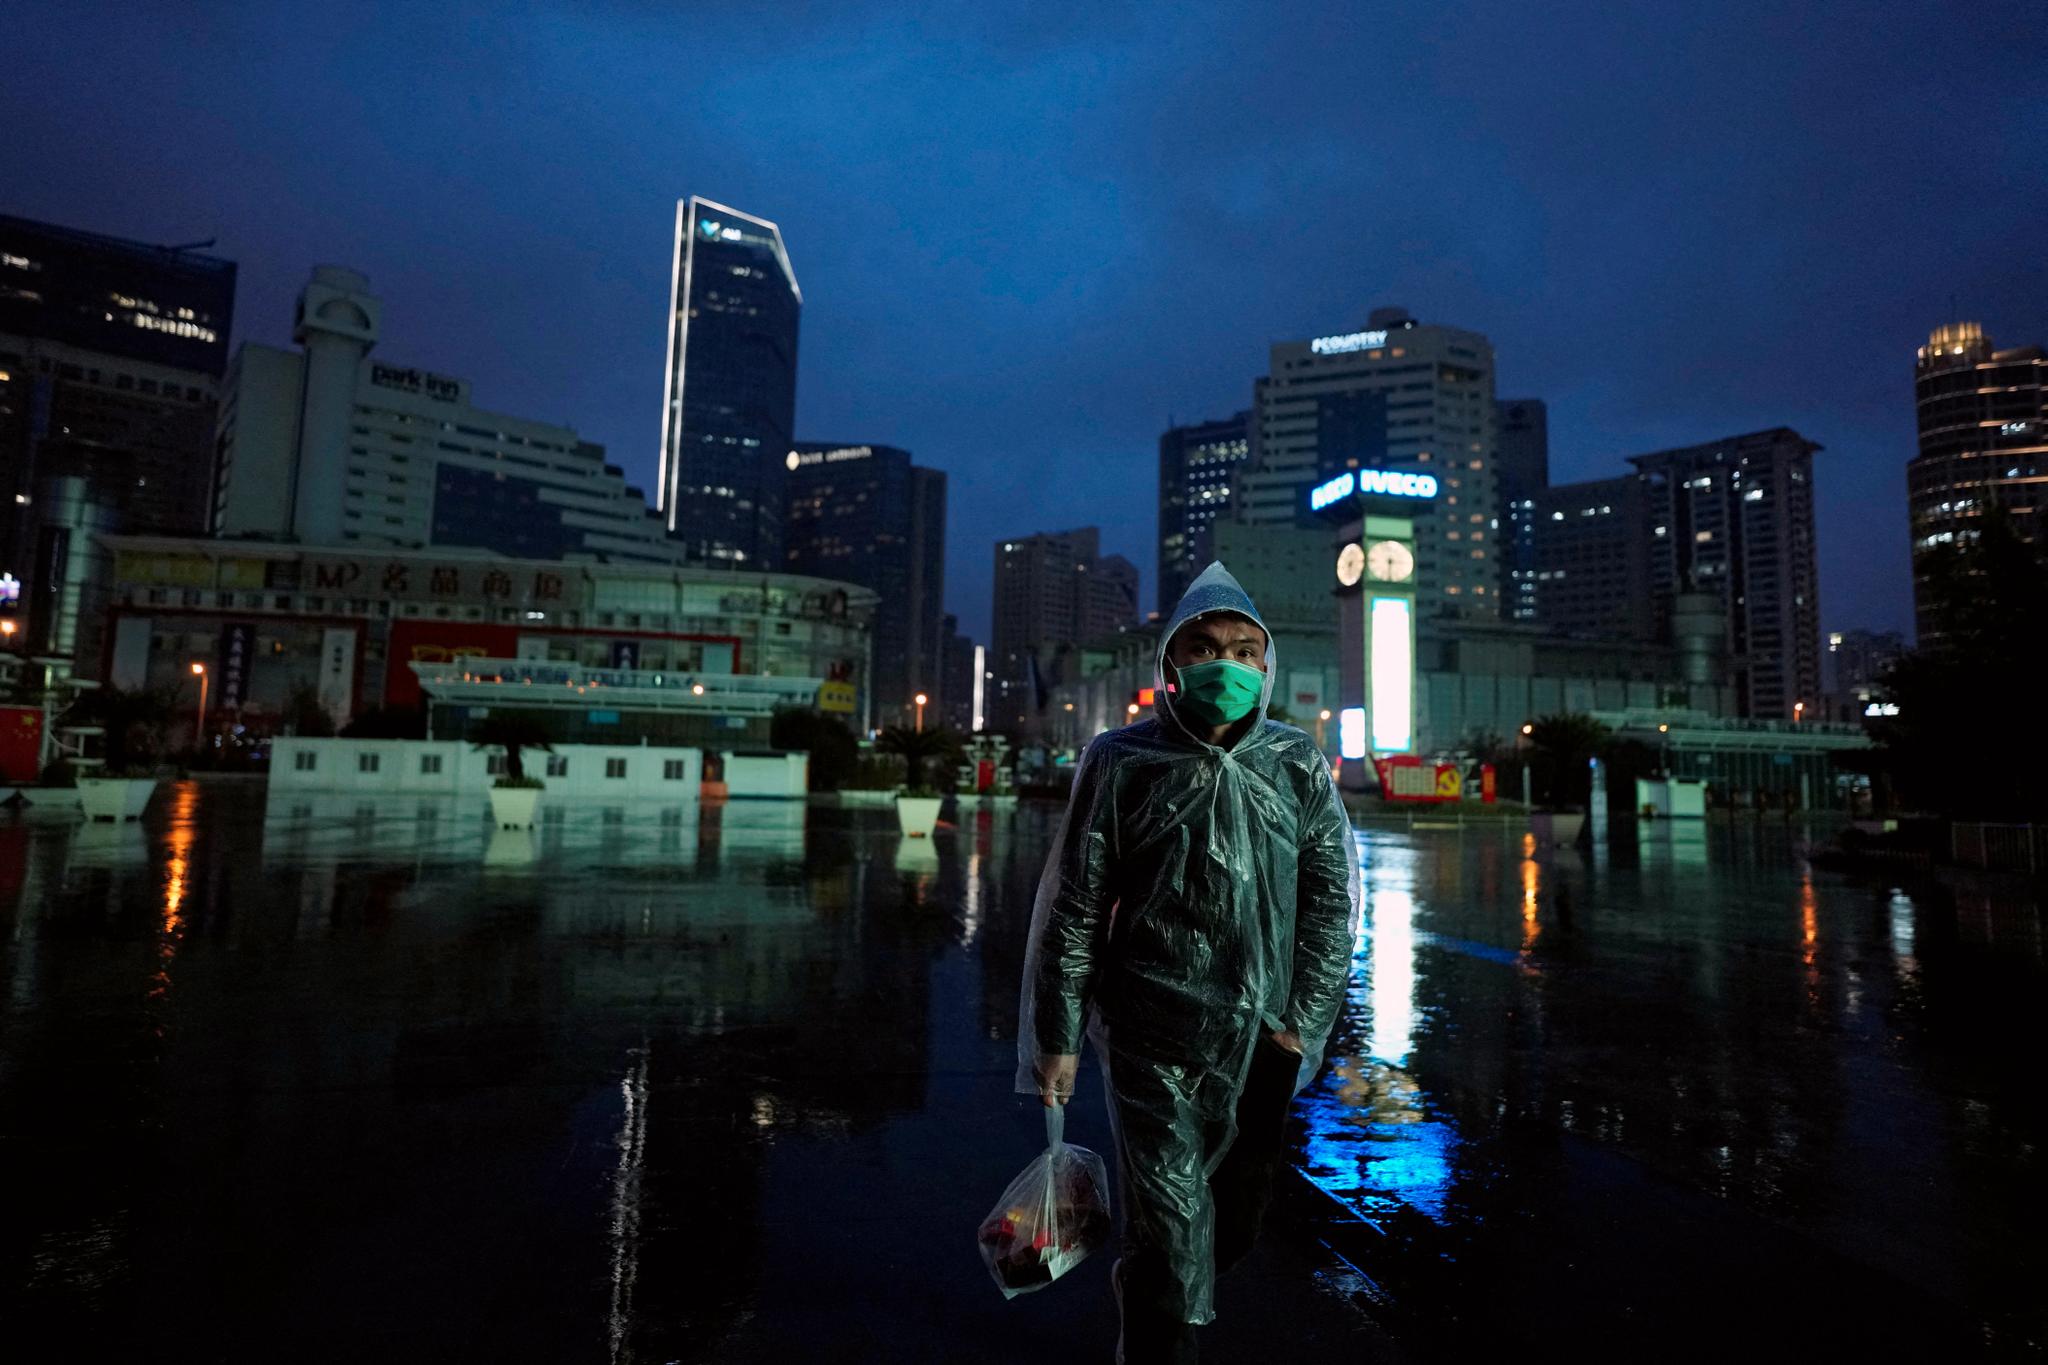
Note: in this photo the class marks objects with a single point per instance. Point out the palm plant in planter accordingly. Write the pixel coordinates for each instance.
(131, 725)
(1564, 747)
(917, 806)
(514, 796)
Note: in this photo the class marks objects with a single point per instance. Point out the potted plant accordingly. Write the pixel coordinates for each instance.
(131, 728)
(514, 796)
(873, 782)
(917, 806)
(1564, 747)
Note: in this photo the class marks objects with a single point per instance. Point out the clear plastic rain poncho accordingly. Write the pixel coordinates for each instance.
(1196, 898)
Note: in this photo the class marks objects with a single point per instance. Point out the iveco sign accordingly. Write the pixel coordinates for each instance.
(1373, 482)
(1349, 341)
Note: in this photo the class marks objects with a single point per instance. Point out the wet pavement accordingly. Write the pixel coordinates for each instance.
(324, 1080)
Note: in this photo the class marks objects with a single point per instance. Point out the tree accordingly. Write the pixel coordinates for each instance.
(917, 748)
(387, 722)
(1962, 742)
(835, 753)
(305, 714)
(132, 724)
(513, 731)
(1562, 750)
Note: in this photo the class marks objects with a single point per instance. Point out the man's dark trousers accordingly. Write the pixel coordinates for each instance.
(1241, 1187)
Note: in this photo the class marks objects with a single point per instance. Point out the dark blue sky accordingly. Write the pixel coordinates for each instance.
(1025, 241)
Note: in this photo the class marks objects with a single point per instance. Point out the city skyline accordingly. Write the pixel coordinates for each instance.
(1648, 311)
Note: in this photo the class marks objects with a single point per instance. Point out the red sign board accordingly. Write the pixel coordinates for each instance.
(1405, 777)
(21, 742)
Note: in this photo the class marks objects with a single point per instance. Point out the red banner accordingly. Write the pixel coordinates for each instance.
(1405, 777)
(21, 743)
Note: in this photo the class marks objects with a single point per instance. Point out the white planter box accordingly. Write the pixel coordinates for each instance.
(513, 807)
(1557, 829)
(115, 798)
(918, 815)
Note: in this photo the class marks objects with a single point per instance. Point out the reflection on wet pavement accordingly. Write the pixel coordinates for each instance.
(1684, 1085)
(342, 1079)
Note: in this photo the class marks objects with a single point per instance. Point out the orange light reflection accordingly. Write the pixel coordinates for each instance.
(1532, 883)
(177, 882)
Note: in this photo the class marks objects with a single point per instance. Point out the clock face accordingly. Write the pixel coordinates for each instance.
(1391, 562)
(1350, 565)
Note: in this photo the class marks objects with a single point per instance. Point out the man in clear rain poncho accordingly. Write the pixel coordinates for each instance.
(1196, 918)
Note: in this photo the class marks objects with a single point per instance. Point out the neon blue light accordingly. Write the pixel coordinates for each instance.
(1388, 483)
(1323, 494)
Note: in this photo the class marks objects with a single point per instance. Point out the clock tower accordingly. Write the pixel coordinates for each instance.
(1373, 578)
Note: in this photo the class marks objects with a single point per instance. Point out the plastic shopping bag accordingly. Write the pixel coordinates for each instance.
(1053, 1214)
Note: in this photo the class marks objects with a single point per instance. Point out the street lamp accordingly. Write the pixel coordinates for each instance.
(199, 719)
(920, 699)
(1322, 719)
(1798, 712)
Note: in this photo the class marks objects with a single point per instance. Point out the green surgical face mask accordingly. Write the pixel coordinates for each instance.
(1219, 692)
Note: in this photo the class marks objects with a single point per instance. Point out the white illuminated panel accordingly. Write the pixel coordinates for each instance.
(1393, 675)
(1351, 732)
(980, 673)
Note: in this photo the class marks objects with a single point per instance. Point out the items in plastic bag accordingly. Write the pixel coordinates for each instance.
(1050, 1218)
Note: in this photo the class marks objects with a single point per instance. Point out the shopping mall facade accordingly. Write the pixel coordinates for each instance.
(711, 651)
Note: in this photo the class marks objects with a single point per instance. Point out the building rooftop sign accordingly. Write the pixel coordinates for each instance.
(799, 458)
(1372, 483)
(1347, 341)
(438, 386)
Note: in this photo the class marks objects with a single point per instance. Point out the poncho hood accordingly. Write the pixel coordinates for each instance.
(1212, 592)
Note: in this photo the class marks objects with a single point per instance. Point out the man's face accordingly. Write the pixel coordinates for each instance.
(1222, 636)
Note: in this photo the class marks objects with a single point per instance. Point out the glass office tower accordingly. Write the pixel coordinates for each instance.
(729, 394)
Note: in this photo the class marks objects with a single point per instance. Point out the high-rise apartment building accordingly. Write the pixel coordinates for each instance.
(1522, 470)
(1396, 394)
(1196, 467)
(728, 404)
(1983, 417)
(1854, 667)
(1734, 518)
(1582, 561)
(863, 513)
(328, 446)
(111, 354)
(956, 688)
(1053, 591)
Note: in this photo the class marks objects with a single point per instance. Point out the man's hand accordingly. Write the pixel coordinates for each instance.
(1056, 1075)
(1288, 1039)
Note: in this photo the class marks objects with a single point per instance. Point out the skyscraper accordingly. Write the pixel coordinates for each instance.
(729, 388)
(1396, 394)
(865, 514)
(111, 354)
(1734, 518)
(1053, 591)
(1522, 429)
(956, 688)
(1983, 438)
(1196, 467)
